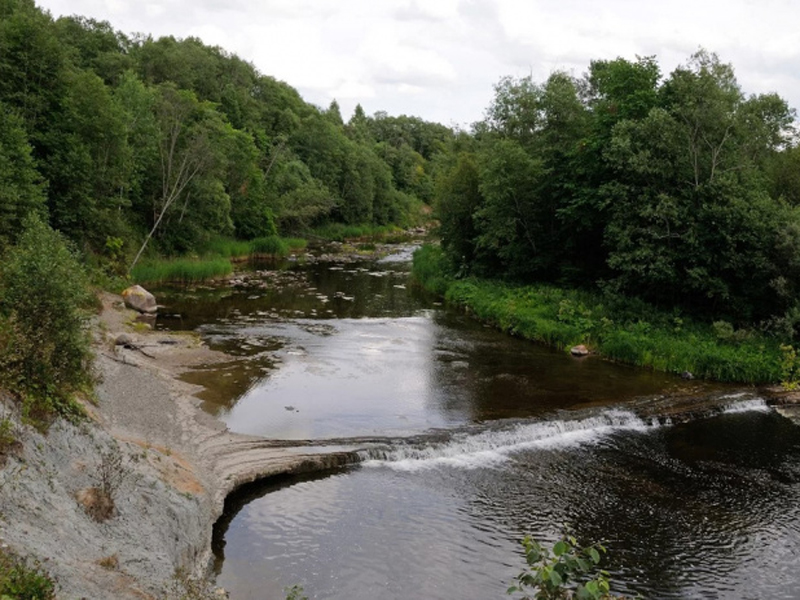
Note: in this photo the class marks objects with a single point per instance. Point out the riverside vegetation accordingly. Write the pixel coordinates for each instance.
(655, 219)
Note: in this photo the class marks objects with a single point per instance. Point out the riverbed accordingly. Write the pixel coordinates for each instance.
(507, 438)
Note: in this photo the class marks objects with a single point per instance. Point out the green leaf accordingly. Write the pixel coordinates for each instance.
(560, 548)
(594, 555)
(555, 578)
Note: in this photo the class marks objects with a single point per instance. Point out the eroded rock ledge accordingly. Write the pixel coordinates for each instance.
(180, 465)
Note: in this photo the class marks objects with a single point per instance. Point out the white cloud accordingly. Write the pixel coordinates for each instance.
(440, 58)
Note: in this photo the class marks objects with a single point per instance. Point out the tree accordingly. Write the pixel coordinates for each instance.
(44, 345)
(458, 198)
(186, 129)
(21, 188)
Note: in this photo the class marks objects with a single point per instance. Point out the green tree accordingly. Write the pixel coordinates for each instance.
(21, 187)
(44, 343)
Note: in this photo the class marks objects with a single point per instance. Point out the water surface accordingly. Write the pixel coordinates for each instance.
(530, 439)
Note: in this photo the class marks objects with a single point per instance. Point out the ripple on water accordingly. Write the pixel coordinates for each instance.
(685, 515)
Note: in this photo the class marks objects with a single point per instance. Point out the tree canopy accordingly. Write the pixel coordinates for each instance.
(679, 190)
(127, 138)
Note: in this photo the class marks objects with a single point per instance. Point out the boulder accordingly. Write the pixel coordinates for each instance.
(579, 350)
(138, 298)
(123, 339)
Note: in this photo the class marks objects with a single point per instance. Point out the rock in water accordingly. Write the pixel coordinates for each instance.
(138, 298)
(579, 350)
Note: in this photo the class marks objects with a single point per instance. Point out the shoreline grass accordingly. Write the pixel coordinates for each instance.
(619, 328)
(243, 249)
(339, 232)
(181, 270)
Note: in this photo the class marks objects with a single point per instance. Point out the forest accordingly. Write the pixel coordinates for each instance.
(679, 190)
(676, 191)
(110, 137)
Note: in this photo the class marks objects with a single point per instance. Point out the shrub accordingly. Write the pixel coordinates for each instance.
(109, 474)
(44, 343)
(567, 571)
(24, 579)
(430, 270)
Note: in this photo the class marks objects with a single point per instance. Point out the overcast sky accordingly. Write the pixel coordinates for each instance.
(439, 59)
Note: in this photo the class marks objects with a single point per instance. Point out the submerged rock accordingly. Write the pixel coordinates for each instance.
(580, 350)
(138, 298)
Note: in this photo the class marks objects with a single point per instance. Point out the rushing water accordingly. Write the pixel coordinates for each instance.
(530, 439)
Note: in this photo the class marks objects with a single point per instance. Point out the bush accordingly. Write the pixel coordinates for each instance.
(44, 343)
(430, 270)
(567, 571)
(24, 580)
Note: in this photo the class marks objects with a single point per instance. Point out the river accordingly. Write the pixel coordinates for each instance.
(509, 438)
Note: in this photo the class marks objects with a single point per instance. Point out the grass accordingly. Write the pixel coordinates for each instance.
(227, 248)
(216, 260)
(181, 270)
(270, 245)
(339, 232)
(623, 329)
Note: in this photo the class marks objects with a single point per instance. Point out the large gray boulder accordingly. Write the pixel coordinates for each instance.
(138, 298)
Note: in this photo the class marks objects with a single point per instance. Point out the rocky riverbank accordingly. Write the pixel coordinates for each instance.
(175, 467)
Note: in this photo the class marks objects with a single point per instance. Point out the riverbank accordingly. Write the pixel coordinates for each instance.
(177, 466)
(617, 328)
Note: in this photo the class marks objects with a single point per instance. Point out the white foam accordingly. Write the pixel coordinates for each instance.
(491, 448)
(751, 405)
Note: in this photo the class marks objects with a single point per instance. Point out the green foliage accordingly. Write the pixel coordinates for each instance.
(24, 579)
(568, 571)
(339, 232)
(8, 436)
(671, 190)
(269, 246)
(227, 248)
(430, 269)
(21, 189)
(172, 143)
(624, 329)
(44, 344)
(790, 368)
(181, 270)
(296, 244)
(295, 592)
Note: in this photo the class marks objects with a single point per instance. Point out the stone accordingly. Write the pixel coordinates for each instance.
(580, 350)
(123, 339)
(687, 376)
(138, 298)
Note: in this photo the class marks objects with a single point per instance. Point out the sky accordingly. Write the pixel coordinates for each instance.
(440, 59)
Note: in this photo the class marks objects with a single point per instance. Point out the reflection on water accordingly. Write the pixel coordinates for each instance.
(707, 509)
(341, 349)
